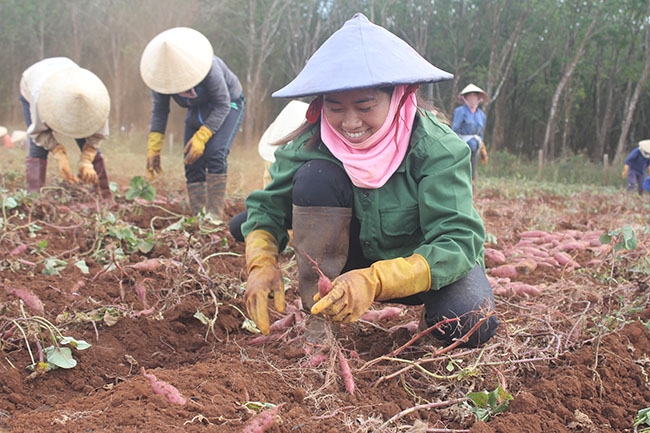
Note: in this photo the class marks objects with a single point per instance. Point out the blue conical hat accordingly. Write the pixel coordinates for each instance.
(359, 55)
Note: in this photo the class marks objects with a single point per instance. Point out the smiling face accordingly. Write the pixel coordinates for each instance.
(357, 114)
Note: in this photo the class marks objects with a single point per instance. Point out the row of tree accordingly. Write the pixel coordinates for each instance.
(564, 76)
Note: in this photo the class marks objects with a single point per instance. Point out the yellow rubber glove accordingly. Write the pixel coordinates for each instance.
(354, 291)
(196, 146)
(154, 146)
(626, 169)
(87, 171)
(264, 278)
(483, 155)
(59, 153)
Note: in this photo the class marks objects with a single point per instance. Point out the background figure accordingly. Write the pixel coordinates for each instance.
(364, 187)
(289, 119)
(637, 164)
(59, 97)
(180, 64)
(469, 124)
(5, 139)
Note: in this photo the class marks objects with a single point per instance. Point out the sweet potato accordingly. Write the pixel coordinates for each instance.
(533, 234)
(384, 313)
(164, 388)
(149, 265)
(565, 260)
(19, 250)
(282, 324)
(525, 266)
(346, 373)
(524, 289)
(324, 283)
(31, 300)
(262, 421)
(496, 256)
(504, 271)
(316, 360)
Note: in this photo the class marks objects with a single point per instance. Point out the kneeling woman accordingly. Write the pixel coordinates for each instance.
(376, 190)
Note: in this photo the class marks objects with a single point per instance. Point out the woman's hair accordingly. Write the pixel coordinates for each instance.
(315, 138)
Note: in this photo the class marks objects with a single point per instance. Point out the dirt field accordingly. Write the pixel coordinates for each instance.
(572, 351)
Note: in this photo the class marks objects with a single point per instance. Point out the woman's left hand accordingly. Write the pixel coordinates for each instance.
(351, 296)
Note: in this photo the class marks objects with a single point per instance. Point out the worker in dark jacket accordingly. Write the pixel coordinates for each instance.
(376, 190)
(180, 64)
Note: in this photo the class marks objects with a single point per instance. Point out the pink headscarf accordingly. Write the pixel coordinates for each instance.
(371, 163)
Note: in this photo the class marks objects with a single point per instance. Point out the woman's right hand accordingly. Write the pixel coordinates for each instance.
(263, 283)
(264, 278)
(154, 146)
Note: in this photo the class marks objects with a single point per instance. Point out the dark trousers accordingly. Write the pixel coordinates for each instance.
(215, 157)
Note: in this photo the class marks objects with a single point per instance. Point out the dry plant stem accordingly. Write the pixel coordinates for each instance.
(423, 333)
(424, 407)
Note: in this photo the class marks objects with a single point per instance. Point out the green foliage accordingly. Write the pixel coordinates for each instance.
(571, 170)
(54, 355)
(642, 418)
(625, 238)
(486, 404)
(140, 188)
(130, 238)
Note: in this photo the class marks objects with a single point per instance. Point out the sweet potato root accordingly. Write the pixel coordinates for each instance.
(31, 300)
(262, 421)
(324, 283)
(164, 388)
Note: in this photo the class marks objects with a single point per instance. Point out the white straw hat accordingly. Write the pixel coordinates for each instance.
(644, 147)
(472, 88)
(3, 131)
(74, 102)
(176, 60)
(289, 119)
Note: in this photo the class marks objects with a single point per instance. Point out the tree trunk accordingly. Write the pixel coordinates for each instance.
(548, 146)
(631, 107)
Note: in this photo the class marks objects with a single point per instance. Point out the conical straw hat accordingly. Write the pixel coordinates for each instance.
(472, 88)
(3, 131)
(74, 102)
(176, 60)
(644, 146)
(361, 55)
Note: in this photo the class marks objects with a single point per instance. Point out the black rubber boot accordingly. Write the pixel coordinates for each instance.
(216, 194)
(197, 195)
(322, 234)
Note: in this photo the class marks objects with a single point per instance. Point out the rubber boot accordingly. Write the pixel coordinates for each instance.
(102, 179)
(216, 194)
(322, 234)
(197, 194)
(35, 171)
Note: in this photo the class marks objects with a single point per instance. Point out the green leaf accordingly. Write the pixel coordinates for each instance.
(145, 246)
(60, 357)
(201, 318)
(53, 266)
(9, 203)
(77, 344)
(605, 238)
(140, 188)
(83, 267)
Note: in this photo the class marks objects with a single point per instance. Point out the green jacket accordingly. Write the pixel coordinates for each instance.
(425, 208)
